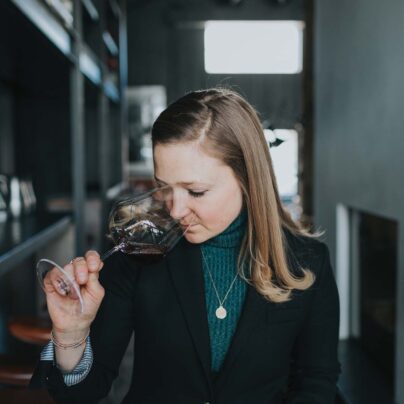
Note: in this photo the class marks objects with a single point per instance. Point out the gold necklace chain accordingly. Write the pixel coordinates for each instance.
(221, 312)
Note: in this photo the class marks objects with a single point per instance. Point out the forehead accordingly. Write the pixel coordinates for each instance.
(186, 162)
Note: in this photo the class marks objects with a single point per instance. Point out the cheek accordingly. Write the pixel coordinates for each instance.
(217, 219)
(230, 202)
(204, 215)
(207, 214)
(219, 213)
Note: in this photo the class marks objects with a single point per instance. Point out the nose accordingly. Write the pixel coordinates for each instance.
(178, 206)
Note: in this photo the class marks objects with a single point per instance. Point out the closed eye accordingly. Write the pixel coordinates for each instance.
(196, 194)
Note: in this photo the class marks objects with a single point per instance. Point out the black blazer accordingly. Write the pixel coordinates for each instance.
(280, 353)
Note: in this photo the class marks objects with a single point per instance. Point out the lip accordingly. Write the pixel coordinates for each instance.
(187, 226)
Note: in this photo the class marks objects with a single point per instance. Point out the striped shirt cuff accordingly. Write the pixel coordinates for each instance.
(80, 371)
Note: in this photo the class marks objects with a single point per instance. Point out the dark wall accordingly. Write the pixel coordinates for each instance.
(7, 99)
(165, 42)
(359, 124)
(6, 128)
(34, 105)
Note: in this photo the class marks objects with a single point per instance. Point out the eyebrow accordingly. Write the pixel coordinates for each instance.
(183, 182)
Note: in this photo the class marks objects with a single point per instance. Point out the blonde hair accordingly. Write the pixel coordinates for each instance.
(228, 128)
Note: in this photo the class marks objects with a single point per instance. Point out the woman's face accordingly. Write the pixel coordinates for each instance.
(205, 191)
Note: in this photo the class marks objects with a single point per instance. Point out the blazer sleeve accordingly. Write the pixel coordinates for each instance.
(82, 368)
(315, 367)
(110, 334)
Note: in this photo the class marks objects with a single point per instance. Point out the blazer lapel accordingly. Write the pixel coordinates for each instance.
(256, 310)
(251, 316)
(184, 264)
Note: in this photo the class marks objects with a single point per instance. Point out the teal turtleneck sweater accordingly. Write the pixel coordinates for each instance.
(220, 254)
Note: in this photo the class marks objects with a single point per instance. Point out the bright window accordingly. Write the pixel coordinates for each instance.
(285, 160)
(254, 47)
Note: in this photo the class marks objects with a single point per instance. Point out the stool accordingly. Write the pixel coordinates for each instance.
(31, 330)
(18, 371)
(24, 396)
(15, 372)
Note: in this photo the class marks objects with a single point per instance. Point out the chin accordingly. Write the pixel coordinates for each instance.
(191, 238)
(194, 238)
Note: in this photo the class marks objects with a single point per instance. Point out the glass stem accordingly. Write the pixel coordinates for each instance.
(110, 252)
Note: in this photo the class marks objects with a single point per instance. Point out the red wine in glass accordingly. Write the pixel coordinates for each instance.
(140, 226)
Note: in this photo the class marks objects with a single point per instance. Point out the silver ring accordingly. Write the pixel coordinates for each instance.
(77, 259)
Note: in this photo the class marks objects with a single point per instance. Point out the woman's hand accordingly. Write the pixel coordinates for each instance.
(64, 306)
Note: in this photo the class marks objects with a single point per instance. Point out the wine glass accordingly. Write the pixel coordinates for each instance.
(139, 225)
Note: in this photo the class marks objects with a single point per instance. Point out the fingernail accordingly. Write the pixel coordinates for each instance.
(93, 264)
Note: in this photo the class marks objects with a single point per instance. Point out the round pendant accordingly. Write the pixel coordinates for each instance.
(221, 312)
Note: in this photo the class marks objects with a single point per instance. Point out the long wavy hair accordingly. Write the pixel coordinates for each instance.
(228, 128)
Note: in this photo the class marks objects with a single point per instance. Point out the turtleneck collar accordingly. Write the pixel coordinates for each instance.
(232, 236)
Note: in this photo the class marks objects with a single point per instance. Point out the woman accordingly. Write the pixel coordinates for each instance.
(244, 310)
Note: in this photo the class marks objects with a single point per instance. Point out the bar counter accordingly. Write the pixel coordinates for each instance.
(20, 238)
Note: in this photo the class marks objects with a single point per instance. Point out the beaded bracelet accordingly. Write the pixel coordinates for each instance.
(68, 346)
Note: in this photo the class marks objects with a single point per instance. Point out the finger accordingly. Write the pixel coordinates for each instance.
(50, 282)
(56, 281)
(93, 260)
(71, 280)
(80, 270)
(94, 287)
